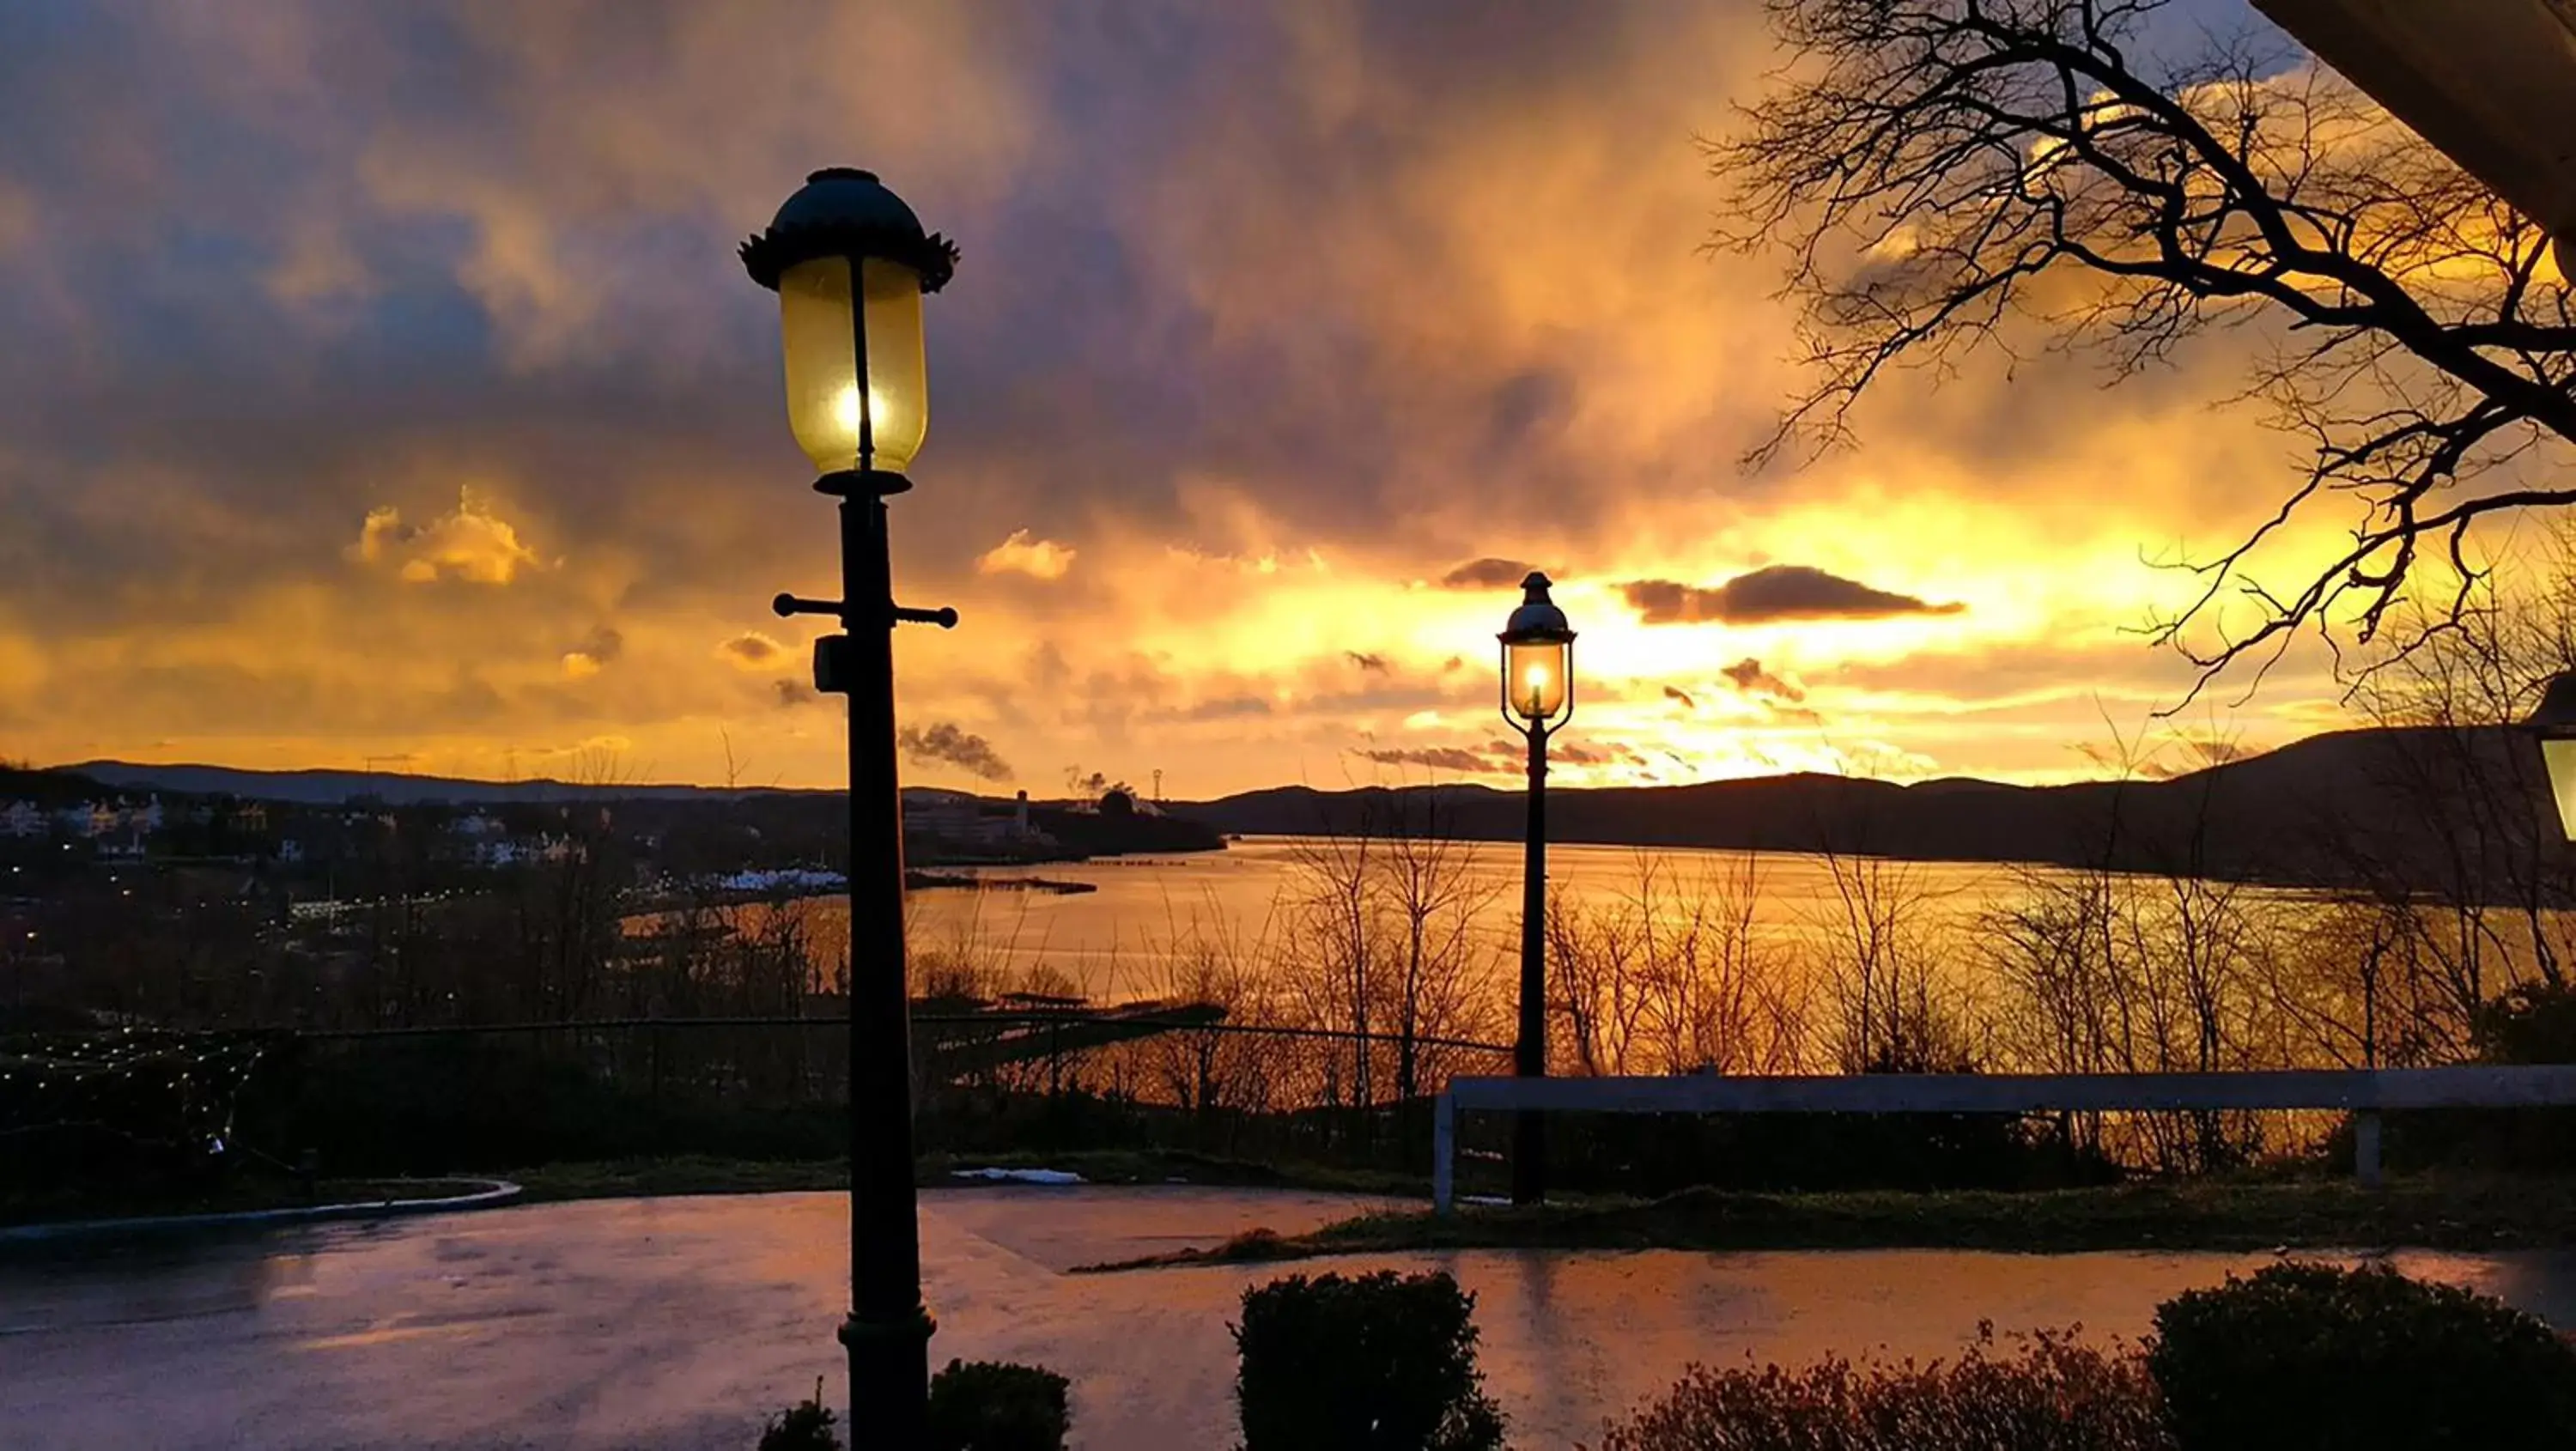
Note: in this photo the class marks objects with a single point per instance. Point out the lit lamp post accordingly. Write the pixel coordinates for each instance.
(2554, 722)
(1538, 698)
(850, 262)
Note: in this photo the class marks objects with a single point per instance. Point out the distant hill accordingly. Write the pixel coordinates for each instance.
(2404, 804)
(50, 788)
(2422, 806)
(330, 788)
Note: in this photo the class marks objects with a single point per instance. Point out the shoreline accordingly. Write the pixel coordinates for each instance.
(2430, 1212)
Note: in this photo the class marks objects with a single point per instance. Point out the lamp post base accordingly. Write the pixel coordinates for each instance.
(889, 1366)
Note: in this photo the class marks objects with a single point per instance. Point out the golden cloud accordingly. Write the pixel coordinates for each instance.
(473, 544)
(1021, 554)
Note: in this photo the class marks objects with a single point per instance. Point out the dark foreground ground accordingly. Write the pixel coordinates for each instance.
(674, 1322)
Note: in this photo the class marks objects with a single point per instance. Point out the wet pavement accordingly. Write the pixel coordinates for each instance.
(676, 1323)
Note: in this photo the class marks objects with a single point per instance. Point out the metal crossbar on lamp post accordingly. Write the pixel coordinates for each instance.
(1538, 699)
(850, 264)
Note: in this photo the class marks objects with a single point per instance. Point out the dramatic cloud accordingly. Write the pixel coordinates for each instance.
(752, 650)
(596, 650)
(1020, 554)
(1774, 592)
(1487, 573)
(1459, 759)
(1579, 754)
(346, 413)
(473, 544)
(1749, 676)
(942, 743)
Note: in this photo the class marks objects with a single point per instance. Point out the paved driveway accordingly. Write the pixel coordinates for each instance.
(674, 1323)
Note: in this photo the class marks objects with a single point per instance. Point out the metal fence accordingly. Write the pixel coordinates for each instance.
(775, 1087)
(2364, 1093)
(1184, 1057)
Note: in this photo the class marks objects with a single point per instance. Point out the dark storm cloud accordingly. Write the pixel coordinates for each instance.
(375, 273)
(1750, 677)
(1774, 592)
(1395, 283)
(1499, 758)
(1442, 758)
(753, 649)
(943, 743)
(1487, 573)
(1609, 754)
(1232, 707)
(601, 646)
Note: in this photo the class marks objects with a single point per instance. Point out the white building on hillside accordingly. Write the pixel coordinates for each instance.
(963, 821)
(97, 820)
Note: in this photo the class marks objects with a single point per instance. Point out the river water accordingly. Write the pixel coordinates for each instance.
(1116, 943)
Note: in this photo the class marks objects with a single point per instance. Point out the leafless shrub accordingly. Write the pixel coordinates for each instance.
(2050, 1393)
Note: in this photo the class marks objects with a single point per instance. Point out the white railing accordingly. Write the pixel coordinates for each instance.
(2362, 1092)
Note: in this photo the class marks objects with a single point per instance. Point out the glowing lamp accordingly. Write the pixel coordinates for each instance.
(2554, 723)
(1538, 659)
(850, 263)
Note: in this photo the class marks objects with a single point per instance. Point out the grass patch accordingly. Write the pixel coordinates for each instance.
(704, 1174)
(2432, 1213)
(234, 1195)
(677, 1174)
(1169, 1166)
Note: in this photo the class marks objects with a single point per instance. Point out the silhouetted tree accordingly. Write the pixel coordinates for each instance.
(1946, 175)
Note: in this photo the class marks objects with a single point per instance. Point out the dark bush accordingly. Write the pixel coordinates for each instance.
(1658, 1154)
(991, 1406)
(2053, 1394)
(2302, 1356)
(1378, 1363)
(2534, 1023)
(804, 1426)
(437, 1104)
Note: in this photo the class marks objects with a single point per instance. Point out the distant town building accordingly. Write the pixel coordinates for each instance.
(500, 852)
(23, 819)
(966, 822)
(516, 851)
(119, 826)
(782, 879)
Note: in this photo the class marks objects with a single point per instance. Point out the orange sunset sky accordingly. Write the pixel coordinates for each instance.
(380, 389)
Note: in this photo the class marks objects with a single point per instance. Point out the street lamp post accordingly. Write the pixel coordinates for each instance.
(1538, 698)
(850, 264)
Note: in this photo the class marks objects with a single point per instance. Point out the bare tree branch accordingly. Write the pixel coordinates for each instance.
(1944, 176)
